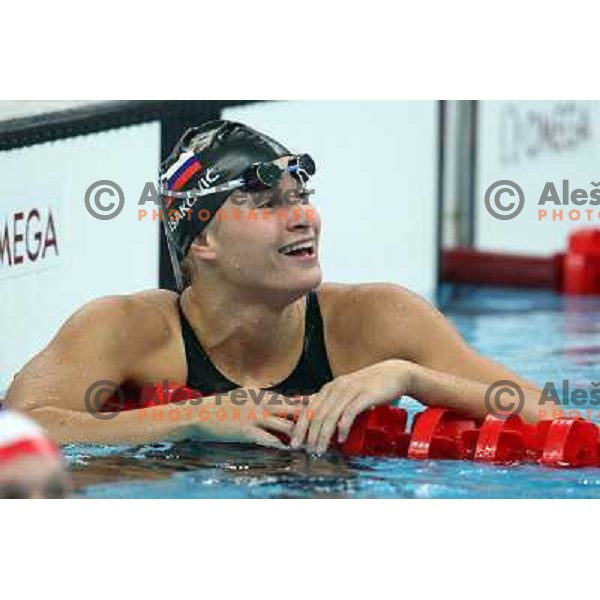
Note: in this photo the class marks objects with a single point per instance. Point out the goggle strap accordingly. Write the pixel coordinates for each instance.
(200, 192)
(174, 262)
(295, 167)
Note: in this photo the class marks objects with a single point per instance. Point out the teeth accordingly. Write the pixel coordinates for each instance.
(298, 246)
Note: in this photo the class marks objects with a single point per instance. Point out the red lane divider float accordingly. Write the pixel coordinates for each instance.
(441, 433)
(570, 443)
(378, 432)
(503, 440)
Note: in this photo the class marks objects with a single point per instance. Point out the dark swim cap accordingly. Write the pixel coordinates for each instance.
(208, 156)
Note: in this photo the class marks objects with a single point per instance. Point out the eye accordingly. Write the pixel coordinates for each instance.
(269, 202)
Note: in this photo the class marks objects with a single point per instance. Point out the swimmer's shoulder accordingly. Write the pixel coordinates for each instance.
(364, 322)
(145, 319)
(345, 300)
(142, 330)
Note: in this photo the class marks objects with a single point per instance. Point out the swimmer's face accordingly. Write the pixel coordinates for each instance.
(250, 246)
(34, 477)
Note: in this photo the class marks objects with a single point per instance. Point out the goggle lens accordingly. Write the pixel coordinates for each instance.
(263, 176)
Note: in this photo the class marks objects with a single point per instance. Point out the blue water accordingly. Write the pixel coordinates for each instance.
(540, 335)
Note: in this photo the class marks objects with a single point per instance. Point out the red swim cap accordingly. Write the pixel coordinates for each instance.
(20, 436)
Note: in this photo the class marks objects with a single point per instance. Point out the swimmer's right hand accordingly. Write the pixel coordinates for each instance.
(248, 415)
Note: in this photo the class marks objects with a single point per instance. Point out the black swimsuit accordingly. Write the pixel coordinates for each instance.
(311, 373)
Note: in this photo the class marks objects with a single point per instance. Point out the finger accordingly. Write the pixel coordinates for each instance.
(284, 406)
(301, 427)
(331, 421)
(264, 438)
(328, 396)
(314, 428)
(277, 424)
(351, 411)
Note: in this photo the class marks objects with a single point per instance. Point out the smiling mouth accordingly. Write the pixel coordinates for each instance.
(306, 248)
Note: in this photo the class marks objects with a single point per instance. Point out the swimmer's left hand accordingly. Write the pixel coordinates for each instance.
(340, 401)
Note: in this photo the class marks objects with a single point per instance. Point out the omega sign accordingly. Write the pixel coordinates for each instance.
(28, 238)
(528, 131)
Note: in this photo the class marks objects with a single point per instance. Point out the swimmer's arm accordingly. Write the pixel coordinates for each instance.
(99, 342)
(440, 388)
(153, 424)
(446, 371)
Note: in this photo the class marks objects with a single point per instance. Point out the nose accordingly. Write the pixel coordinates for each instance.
(300, 217)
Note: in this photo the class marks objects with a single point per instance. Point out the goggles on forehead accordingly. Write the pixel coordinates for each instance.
(256, 178)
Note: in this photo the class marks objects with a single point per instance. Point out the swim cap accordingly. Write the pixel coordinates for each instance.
(208, 156)
(20, 436)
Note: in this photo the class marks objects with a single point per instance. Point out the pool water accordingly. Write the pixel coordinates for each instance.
(540, 335)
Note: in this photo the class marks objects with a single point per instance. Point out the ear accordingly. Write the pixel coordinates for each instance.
(203, 247)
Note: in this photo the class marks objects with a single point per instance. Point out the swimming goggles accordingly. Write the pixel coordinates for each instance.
(258, 177)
